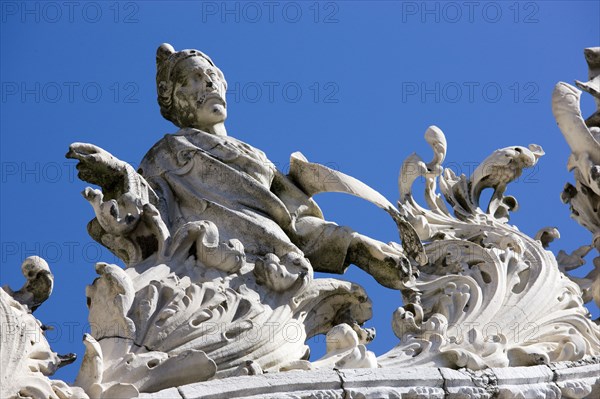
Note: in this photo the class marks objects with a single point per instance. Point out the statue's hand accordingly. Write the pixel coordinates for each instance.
(386, 263)
(97, 166)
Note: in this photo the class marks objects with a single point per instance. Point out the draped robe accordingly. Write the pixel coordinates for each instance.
(201, 176)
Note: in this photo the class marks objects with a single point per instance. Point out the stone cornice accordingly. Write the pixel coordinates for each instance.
(579, 379)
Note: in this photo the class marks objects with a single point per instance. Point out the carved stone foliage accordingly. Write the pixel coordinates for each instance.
(583, 137)
(206, 312)
(26, 358)
(490, 295)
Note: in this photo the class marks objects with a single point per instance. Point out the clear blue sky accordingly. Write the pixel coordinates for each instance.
(350, 84)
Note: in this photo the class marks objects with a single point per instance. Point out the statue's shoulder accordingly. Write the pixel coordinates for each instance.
(162, 151)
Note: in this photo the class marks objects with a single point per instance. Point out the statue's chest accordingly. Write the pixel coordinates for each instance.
(238, 155)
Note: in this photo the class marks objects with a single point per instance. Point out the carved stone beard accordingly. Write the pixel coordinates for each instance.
(203, 112)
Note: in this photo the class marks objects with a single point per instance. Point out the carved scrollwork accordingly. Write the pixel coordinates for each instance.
(466, 307)
(207, 311)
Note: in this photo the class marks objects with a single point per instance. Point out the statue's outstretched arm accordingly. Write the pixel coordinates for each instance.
(115, 177)
(125, 199)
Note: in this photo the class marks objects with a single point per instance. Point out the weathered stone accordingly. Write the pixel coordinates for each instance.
(463, 309)
(421, 382)
(414, 382)
(171, 393)
(461, 385)
(583, 137)
(26, 358)
(325, 383)
(219, 295)
(579, 379)
(526, 382)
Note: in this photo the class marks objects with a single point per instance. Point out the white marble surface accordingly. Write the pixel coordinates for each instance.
(564, 379)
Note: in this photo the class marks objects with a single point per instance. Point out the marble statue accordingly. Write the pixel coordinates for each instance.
(208, 221)
(218, 296)
(201, 173)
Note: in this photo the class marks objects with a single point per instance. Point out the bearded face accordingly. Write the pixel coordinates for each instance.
(199, 94)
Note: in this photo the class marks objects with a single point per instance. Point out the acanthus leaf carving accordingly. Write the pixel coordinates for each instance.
(194, 311)
(465, 308)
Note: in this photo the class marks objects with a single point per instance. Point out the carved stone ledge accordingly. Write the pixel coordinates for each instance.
(465, 383)
(578, 379)
(323, 384)
(393, 383)
(557, 380)
(526, 382)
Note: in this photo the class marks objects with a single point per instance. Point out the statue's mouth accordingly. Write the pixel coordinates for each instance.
(210, 96)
